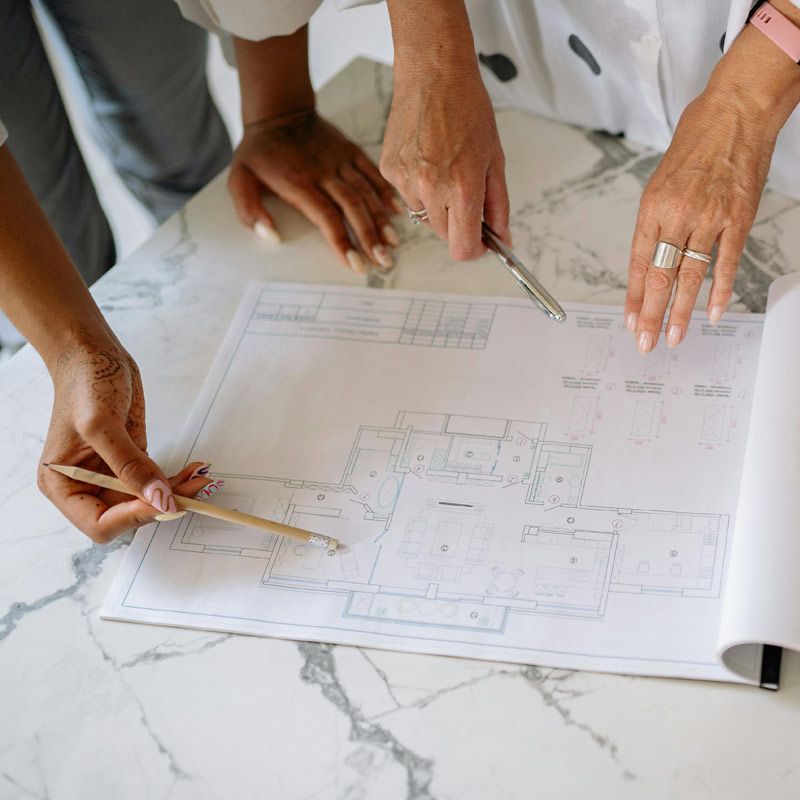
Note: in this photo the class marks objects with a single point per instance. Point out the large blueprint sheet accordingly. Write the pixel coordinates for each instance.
(507, 488)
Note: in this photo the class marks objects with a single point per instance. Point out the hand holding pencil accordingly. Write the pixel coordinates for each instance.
(106, 497)
(185, 504)
(95, 466)
(98, 423)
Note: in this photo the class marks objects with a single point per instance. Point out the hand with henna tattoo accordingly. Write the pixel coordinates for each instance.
(98, 411)
(98, 423)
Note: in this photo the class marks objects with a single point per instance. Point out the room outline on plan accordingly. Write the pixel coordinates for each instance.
(462, 521)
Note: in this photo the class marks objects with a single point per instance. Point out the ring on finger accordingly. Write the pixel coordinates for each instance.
(417, 216)
(667, 256)
(697, 256)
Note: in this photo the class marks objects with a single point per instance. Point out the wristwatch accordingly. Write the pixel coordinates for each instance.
(779, 28)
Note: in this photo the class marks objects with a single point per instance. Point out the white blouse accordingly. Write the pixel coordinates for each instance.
(625, 66)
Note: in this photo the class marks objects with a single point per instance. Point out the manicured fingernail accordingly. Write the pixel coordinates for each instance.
(645, 342)
(390, 234)
(381, 255)
(631, 320)
(170, 517)
(201, 472)
(266, 232)
(159, 495)
(715, 313)
(209, 490)
(356, 261)
(674, 334)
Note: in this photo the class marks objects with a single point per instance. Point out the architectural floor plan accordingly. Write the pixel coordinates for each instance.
(503, 487)
(430, 495)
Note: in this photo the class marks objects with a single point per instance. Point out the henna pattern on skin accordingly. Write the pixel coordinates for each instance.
(136, 414)
(112, 382)
(106, 365)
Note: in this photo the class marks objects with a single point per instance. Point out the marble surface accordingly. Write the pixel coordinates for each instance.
(97, 709)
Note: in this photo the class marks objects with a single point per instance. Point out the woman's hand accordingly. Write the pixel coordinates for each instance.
(288, 150)
(441, 149)
(98, 423)
(313, 167)
(98, 409)
(707, 188)
(442, 153)
(705, 192)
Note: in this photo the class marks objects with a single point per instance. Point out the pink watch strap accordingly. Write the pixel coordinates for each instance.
(779, 28)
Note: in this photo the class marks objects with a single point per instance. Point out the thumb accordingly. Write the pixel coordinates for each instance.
(133, 466)
(496, 208)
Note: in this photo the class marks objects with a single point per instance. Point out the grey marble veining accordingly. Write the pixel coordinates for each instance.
(94, 709)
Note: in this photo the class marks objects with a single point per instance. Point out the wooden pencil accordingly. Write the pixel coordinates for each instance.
(206, 509)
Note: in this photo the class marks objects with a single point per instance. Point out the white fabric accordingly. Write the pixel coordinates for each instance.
(255, 19)
(654, 58)
(3, 134)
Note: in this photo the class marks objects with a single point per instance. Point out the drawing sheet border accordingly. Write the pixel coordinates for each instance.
(114, 607)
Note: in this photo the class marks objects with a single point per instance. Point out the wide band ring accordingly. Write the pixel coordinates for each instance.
(667, 256)
(697, 256)
(417, 216)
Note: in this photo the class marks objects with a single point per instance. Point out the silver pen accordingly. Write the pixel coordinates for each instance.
(532, 288)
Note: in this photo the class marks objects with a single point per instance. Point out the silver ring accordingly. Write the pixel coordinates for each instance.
(667, 256)
(417, 216)
(698, 256)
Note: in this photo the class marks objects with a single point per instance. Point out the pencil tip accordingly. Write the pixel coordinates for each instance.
(46, 465)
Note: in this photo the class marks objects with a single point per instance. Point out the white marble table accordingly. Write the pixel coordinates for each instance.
(95, 709)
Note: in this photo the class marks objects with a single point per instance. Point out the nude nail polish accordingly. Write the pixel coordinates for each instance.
(159, 495)
(170, 517)
(267, 233)
(381, 255)
(390, 234)
(631, 320)
(674, 335)
(715, 313)
(645, 342)
(356, 261)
